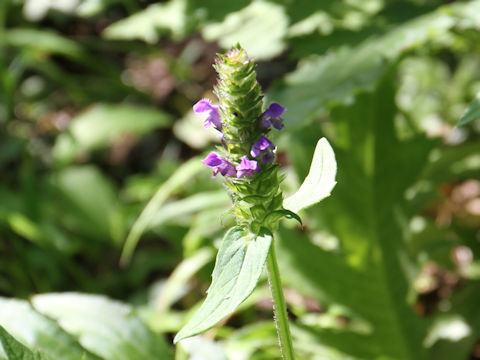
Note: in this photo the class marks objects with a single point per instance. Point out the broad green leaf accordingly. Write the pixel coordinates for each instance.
(89, 203)
(107, 328)
(147, 25)
(238, 267)
(370, 272)
(46, 42)
(103, 124)
(319, 182)
(260, 17)
(472, 113)
(15, 350)
(39, 332)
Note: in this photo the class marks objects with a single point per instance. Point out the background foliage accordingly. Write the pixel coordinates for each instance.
(96, 137)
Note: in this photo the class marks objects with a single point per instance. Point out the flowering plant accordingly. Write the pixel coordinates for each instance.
(246, 160)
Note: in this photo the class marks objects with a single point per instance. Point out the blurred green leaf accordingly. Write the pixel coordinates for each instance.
(39, 332)
(179, 277)
(319, 182)
(148, 24)
(472, 113)
(260, 17)
(105, 327)
(47, 42)
(371, 272)
(322, 81)
(90, 204)
(202, 348)
(238, 267)
(181, 177)
(178, 211)
(243, 343)
(103, 124)
(15, 350)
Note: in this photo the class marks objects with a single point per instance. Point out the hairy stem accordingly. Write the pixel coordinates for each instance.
(279, 307)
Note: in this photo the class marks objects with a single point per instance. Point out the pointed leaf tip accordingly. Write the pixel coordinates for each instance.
(472, 113)
(319, 182)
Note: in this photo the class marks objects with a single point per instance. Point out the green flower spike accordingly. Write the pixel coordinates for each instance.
(246, 161)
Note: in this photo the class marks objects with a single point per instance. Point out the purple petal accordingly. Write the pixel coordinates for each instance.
(204, 105)
(275, 110)
(228, 169)
(212, 160)
(264, 123)
(277, 123)
(219, 165)
(214, 118)
(261, 145)
(246, 167)
(268, 157)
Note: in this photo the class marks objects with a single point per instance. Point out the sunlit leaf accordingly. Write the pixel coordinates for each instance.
(39, 332)
(148, 24)
(103, 124)
(15, 350)
(244, 26)
(89, 202)
(238, 267)
(107, 328)
(319, 182)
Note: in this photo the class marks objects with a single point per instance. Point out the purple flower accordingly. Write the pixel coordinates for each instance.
(219, 165)
(204, 105)
(264, 147)
(246, 167)
(261, 146)
(271, 116)
(268, 157)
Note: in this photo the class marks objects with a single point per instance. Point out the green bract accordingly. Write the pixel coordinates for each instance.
(241, 107)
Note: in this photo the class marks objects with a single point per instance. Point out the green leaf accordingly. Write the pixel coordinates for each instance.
(39, 332)
(319, 182)
(107, 328)
(370, 272)
(472, 113)
(147, 25)
(15, 350)
(103, 124)
(181, 211)
(321, 82)
(47, 42)
(238, 267)
(182, 176)
(89, 203)
(260, 17)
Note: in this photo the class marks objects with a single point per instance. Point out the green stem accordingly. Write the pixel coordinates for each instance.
(279, 307)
